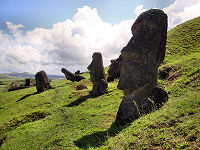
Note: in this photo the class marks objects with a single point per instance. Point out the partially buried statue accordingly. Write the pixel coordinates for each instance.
(97, 74)
(42, 81)
(114, 69)
(141, 58)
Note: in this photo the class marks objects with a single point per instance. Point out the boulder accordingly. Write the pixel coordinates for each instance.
(141, 58)
(97, 74)
(164, 73)
(42, 81)
(81, 87)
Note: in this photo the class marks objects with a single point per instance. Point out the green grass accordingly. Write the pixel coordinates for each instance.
(184, 38)
(64, 118)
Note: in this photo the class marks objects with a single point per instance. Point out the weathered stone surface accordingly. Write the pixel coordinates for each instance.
(42, 81)
(159, 96)
(97, 74)
(78, 72)
(114, 69)
(27, 82)
(164, 74)
(141, 58)
(127, 112)
(81, 87)
(70, 76)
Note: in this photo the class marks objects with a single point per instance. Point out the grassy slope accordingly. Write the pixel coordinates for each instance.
(63, 118)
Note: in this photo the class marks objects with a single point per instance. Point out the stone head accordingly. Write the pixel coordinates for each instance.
(145, 51)
(97, 62)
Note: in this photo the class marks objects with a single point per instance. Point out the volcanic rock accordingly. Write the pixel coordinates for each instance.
(97, 75)
(141, 58)
(114, 69)
(42, 81)
(78, 72)
(27, 82)
(81, 87)
(70, 76)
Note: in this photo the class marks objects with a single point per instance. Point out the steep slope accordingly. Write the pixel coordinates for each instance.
(183, 58)
(184, 38)
(64, 118)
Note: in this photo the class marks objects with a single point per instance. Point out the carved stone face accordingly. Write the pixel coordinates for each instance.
(96, 67)
(96, 62)
(140, 58)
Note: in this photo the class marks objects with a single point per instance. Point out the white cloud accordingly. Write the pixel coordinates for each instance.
(67, 44)
(71, 43)
(14, 29)
(139, 9)
(181, 11)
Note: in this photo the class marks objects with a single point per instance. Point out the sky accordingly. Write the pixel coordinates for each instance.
(50, 34)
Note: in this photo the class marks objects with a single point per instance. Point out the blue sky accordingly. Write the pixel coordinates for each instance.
(44, 13)
(52, 34)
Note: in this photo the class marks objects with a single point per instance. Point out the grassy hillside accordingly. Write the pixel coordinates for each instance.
(184, 39)
(64, 118)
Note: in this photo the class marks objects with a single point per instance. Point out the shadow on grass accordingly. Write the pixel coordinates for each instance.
(80, 100)
(97, 139)
(26, 96)
(31, 95)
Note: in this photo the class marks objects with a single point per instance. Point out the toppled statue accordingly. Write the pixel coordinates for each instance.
(97, 75)
(78, 72)
(141, 58)
(114, 69)
(17, 85)
(42, 81)
(70, 76)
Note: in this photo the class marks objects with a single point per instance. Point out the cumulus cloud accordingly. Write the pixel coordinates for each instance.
(139, 9)
(14, 29)
(67, 44)
(71, 43)
(181, 11)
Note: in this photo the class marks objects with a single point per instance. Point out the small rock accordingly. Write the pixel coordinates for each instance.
(81, 87)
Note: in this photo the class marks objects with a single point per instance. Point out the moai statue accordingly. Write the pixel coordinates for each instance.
(27, 82)
(141, 58)
(70, 76)
(114, 69)
(97, 75)
(42, 81)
